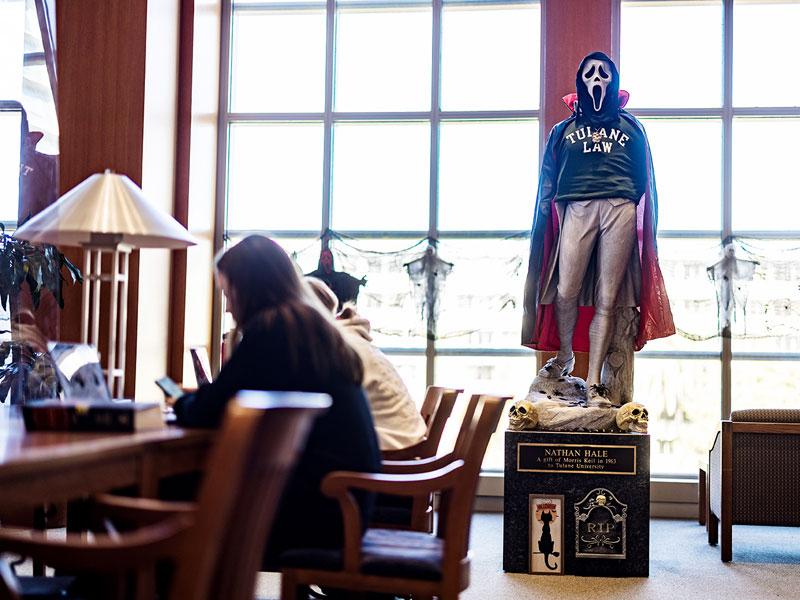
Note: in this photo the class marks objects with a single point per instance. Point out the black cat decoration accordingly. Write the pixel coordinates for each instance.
(545, 543)
(546, 535)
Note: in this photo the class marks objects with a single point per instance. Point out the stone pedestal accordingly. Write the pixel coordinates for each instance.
(585, 496)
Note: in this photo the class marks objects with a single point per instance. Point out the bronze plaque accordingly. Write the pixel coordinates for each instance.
(576, 458)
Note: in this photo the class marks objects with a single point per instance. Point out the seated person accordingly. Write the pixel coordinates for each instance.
(287, 343)
(397, 419)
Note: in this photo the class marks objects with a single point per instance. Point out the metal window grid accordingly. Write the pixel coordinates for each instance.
(329, 117)
(727, 112)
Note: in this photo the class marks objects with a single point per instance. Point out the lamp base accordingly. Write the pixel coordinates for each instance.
(117, 277)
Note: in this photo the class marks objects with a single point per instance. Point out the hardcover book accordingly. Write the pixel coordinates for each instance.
(77, 415)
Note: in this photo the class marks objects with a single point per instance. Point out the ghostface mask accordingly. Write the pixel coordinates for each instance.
(597, 84)
(596, 76)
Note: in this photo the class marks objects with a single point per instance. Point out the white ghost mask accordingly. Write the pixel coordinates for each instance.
(596, 76)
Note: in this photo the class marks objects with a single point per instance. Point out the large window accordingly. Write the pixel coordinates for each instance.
(26, 98)
(12, 30)
(386, 127)
(721, 106)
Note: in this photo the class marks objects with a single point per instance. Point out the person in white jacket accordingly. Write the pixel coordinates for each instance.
(397, 419)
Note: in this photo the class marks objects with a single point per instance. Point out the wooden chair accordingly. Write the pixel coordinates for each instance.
(404, 562)
(399, 512)
(743, 489)
(214, 545)
(435, 411)
(416, 513)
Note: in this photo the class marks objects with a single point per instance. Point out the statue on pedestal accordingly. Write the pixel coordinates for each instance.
(593, 281)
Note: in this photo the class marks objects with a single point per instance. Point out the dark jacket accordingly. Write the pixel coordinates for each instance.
(343, 438)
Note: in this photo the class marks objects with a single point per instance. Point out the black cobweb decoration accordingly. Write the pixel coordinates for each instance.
(428, 274)
(760, 300)
(387, 295)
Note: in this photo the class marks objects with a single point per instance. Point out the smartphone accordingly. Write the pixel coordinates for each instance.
(169, 387)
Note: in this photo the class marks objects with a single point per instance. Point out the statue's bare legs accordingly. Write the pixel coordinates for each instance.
(611, 227)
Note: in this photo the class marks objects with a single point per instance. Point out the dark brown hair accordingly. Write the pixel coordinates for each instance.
(267, 289)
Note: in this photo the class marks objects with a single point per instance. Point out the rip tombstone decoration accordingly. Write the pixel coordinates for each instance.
(593, 488)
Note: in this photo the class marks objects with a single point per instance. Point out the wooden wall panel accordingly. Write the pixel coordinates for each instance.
(101, 74)
(571, 30)
(177, 320)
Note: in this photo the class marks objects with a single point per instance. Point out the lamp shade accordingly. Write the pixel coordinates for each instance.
(109, 204)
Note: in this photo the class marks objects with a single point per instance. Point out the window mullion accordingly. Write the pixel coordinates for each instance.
(330, 35)
(436, 62)
(220, 193)
(327, 160)
(727, 182)
(433, 206)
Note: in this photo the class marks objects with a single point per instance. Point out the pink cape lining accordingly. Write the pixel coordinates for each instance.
(571, 99)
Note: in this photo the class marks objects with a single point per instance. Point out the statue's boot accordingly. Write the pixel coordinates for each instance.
(556, 367)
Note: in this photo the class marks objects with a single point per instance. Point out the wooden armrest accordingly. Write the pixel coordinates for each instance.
(340, 482)
(100, 552)
(421, 465)
(410, 453)
(139, 511)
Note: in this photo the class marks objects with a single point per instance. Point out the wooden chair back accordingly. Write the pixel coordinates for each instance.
(435, 411)
(456, 504)
(432, 397)
(262, 435)
(457, 480)
(467, 429)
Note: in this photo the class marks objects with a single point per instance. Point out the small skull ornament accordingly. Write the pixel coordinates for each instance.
(632, 417)
(522, 415)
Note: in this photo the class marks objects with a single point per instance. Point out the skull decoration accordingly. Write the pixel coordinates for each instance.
(632, 417)
(522, 415)
(596, 77)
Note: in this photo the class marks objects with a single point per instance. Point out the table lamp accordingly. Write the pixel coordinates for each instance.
(106, 214)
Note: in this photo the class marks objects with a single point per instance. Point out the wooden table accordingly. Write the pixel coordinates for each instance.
(56, 466)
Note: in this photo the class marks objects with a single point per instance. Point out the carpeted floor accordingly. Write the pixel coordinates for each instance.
(766, 564)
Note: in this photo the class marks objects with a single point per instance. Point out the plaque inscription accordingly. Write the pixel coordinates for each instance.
(576, 458)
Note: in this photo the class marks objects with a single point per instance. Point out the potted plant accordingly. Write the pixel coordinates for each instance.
(25, 368)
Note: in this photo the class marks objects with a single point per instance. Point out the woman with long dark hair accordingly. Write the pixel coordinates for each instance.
(284, 341)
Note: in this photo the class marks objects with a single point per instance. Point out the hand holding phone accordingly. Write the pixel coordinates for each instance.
(169, 387)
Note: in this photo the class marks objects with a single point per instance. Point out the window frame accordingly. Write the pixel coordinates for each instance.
(329, 117)
(727, 113)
